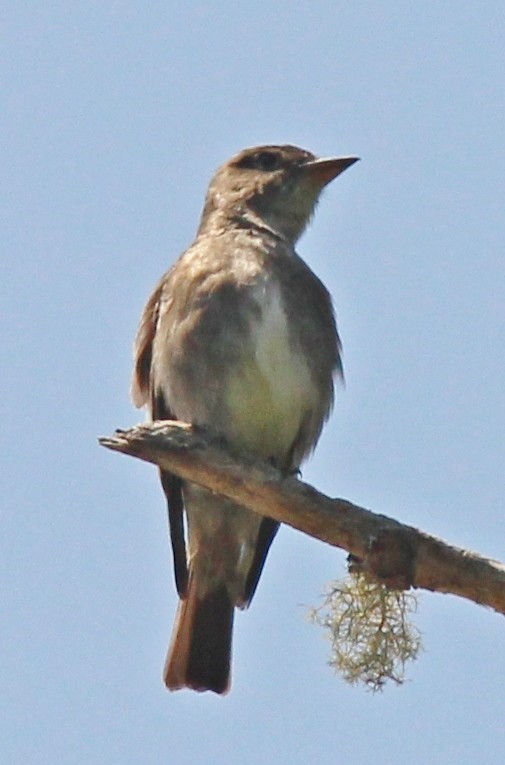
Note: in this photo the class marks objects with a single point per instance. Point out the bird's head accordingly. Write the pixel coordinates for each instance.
(272, 186)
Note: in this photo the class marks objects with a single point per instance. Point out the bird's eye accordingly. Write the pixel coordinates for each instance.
(266, 160)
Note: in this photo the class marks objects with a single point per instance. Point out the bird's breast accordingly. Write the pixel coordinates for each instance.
(271, 391)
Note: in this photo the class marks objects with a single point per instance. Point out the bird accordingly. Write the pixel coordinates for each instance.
(239, 337)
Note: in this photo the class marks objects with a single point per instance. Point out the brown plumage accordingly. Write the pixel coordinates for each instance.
(238, 336)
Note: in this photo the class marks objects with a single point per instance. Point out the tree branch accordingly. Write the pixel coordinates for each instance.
(398, 555)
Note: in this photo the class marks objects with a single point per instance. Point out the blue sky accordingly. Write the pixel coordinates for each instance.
(114, 116)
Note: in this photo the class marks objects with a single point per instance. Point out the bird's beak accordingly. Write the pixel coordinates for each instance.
(325, 169)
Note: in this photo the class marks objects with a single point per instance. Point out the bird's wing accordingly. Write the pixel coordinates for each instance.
(267, 531)
(142, 393)
(143, 347)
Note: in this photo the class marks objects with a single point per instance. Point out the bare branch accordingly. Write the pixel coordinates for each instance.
(398, 555)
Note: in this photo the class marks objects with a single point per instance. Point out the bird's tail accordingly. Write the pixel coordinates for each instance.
(199, 655)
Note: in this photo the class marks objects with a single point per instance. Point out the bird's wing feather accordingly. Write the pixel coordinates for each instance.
(142, 349)
(172, 486)
(266, 534)
(143, 393)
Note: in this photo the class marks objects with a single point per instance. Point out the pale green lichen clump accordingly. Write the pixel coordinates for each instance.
(371, 632)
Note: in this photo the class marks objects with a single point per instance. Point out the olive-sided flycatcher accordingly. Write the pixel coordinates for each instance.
(239, 336)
